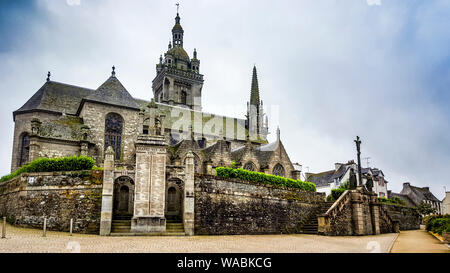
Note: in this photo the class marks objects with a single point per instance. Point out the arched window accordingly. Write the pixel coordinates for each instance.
(278, 170)
(24, 149)
(249, 166)
(113, 133)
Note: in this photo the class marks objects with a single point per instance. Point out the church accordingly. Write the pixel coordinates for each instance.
(150, 150)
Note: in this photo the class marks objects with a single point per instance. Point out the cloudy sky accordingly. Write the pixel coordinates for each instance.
(379, 69)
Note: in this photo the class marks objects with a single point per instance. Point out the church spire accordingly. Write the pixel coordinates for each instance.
(254, 95)
(177, 31)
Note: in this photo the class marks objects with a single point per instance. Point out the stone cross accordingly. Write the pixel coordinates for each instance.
(358, 149)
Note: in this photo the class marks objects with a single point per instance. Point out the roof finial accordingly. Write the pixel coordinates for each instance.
(278, 134)
(113, 73)
(178, 7)
(48, 76)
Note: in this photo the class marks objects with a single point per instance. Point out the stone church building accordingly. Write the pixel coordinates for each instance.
(150, 150)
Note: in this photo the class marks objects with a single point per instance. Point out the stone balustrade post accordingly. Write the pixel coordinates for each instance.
(107, 193)
(188, 214)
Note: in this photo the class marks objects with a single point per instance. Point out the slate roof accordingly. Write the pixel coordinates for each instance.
(55, 97)
(424, 193)
(321, 179)
(114, 93)
(324, 178)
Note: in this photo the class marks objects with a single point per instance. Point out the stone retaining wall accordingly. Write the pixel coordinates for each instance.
(25, 200)
(407, 217)
(239, 207)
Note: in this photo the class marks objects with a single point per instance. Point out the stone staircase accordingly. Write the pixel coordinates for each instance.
(121, 226)
(311, 225)
(174, 227)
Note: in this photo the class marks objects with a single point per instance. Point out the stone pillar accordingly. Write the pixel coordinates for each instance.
(357, 213)
(107, 193)
(209, 168)
(296, 175)
(375, 213)
(188, 213)
(150, 185)
(34, 148)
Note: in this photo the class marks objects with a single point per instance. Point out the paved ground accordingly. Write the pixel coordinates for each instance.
(30, 240)
(418, 241)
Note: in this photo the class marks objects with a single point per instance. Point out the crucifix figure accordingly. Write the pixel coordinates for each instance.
(358, 149)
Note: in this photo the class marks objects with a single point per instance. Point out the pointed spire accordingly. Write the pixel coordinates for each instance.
(113, 73)
(254, 94)
(48, 76)
(278, 134)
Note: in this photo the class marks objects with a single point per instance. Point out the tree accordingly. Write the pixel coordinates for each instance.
(425, 209)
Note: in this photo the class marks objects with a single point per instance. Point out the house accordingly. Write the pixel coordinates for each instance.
(418, 195)
(332, 179)
(446, 203)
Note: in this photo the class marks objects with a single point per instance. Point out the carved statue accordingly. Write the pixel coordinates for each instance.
(369, 184)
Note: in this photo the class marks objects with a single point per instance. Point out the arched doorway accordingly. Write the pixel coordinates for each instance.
(123, 201)
(174, 199)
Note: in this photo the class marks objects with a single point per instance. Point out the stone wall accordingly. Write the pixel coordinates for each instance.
(27, 199)
(407, 217)
(238, 207)
(94, 115)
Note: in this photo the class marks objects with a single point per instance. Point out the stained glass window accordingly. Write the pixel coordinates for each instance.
(113, 133)
(24, 149)
(278, 170)
(250, 167)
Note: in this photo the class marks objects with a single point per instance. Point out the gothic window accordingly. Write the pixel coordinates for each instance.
(24, 149)
(250, 167)
(113, 133)
(201, 143)
(183, 97)
(278, 170)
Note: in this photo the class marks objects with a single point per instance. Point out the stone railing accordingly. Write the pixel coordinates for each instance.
(392, 226)
(324, 220)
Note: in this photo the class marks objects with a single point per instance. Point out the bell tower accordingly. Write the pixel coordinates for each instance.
(178, 80)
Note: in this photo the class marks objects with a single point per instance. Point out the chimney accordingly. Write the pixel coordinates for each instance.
(337, 165)
(406, 185)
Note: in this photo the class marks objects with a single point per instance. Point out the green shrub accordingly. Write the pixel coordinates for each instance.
(438, 224)
(72, 163)
(392, 201)
(336, 193)
(258, 177)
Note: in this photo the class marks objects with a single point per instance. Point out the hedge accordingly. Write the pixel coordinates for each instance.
(262, 178)
(438, 224)
(392, 201)
(72, 163)
(336, 193)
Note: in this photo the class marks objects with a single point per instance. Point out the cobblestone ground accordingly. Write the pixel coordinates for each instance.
(31, 240)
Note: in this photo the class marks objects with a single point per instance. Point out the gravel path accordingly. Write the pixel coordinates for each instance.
(31, 240)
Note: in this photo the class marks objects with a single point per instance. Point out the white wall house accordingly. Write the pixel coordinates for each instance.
(332, 179)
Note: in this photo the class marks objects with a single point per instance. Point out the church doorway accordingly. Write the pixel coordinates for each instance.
(123, 201)
(174, 200)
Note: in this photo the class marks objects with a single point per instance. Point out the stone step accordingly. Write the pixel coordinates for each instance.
(148, 234)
